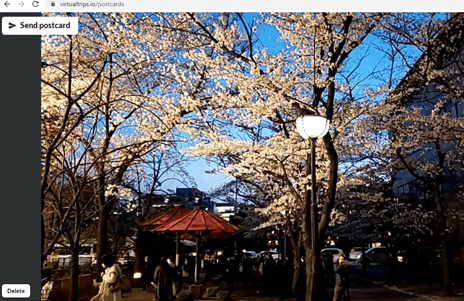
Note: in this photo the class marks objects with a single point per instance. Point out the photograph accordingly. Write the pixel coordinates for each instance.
(262, 156)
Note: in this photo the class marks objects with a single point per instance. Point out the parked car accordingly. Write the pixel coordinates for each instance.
(403, 256)
(376, 255)
(273, 254)
(250, 254)
(354, 253)
(336, 252)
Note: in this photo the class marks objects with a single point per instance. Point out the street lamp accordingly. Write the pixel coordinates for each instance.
(312, 127)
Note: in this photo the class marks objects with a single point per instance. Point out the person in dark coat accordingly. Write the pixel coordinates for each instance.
(177, 276)
(287, 274)
(267, 277)
(229, 272)
(185, 271)
(329, 266)
(147, 273)
(342, 280)
(162, 280)
(246, 269)
(259, 276)
(392, 262)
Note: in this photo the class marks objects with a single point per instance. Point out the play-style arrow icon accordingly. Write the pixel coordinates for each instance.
(11, 25)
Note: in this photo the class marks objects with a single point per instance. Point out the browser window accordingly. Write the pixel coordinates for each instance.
(78, 69)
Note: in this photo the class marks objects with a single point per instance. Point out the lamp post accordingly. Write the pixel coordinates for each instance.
(313, 127)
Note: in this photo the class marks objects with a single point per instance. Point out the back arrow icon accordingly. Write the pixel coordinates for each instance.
(7, 3)
(11, 25)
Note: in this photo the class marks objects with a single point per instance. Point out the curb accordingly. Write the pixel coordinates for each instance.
(411, 294)
(397, 289)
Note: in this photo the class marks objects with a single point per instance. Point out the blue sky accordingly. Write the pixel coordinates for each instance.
(198, 168)
(268, 37)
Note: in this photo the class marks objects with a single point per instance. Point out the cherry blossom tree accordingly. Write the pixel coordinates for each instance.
(371, 214)
(423, 113)
(110, 95)
(257, 96)
(131, 82)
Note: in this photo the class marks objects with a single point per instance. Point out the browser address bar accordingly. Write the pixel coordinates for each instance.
(175, 5)
(155, 5)
(222, 6)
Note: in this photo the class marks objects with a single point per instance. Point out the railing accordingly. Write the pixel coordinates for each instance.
(61, 288)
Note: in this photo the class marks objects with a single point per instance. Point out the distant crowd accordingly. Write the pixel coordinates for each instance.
(267, 275)
(264, 273)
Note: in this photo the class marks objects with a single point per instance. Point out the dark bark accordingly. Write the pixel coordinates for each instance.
(329, 201)
(42, 233)
(445, 243)
(102, 232)
(74, 289)
(434, 186)
(297, 268)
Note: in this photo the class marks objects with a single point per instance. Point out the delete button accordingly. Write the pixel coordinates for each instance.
(16, 291)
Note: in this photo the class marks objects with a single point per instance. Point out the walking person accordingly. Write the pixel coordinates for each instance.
(259, 276)
(110, 287)
(185, 271)
(162, 281)
(342, 280)
(287, 275)
(392, 263)
(246, 269)
(229, 272)
(267, 276)
(176, 276)
(329, 266)
(147, 273)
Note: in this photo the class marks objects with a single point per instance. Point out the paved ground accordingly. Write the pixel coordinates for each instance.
(359, 292)
(428, 291)
(371, 288)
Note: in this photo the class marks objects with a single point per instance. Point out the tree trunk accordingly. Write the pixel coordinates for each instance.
(74, 289)
(297, 272)
(329, 201)
(102, 236)
(447, 258)
(42, 232)
(105, 205)
(297, 284)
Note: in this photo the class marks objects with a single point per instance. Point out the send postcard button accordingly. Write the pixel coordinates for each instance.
(16, 290)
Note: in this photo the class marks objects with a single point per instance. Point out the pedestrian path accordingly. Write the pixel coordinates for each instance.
(137, 295)
(427, 291)
(360, 291)
(239, 294)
